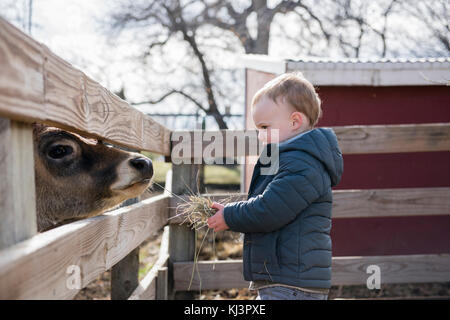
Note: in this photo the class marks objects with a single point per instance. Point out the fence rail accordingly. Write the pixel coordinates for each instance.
(38, 267)
(352, 140)
(227, 274)
(38, 86)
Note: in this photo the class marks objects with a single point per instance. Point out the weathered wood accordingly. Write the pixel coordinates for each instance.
(17, 188)
(345, 271)
(38, 86)
(225, 274)
(162, 284)
(352, 140)
(168, 183)
(206, 146)
(394, 138)
(394, 269)
(391, 202)
(125, 273)
(181, 237)
(148, 288)
(154, 285)
(364, 203)
(36, 268)
(124, 276)
(21, 76)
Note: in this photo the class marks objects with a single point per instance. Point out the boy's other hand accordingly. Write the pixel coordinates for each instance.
(217, 221)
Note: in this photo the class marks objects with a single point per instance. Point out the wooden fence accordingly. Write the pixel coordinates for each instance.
(37, 86)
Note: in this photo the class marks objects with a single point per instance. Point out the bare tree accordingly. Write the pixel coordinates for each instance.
(359, 13)
(434, 16)
(352, 28)
(186, 18)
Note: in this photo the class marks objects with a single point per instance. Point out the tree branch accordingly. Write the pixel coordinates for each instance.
(171, 92)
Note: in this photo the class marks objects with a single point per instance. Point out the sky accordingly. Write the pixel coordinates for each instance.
(72, 29)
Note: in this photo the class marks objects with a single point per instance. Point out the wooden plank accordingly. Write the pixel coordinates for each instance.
(182, 237)
(346, 271)
(38, 86)
(394, 138)
(78, 102)
(147, 288)
(162, 284)
(352, 140)
(124, 276)
(363, 203)
(38, 268)
(125, 273)
(21, 76)
(394, 269)
(391, 202)
(224, 274)
(199, 145)
(17, 188)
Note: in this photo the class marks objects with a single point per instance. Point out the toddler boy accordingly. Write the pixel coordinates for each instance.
(286, 219)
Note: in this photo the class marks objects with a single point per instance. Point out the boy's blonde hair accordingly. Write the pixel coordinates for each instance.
(298, 92)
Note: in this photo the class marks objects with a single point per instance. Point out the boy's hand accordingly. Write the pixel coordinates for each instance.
(217, 221)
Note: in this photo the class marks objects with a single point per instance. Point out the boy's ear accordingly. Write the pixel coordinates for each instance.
(297, 120)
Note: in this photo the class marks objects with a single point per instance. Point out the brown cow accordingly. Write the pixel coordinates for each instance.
(78, 178)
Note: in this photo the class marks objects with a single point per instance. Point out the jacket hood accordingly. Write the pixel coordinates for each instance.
(322, 144)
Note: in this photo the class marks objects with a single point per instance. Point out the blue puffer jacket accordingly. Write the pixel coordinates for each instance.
(287, 217)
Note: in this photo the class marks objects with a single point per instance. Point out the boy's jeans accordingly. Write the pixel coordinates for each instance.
(285, 293)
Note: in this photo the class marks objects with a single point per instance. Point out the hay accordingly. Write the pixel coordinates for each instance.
(196, 211)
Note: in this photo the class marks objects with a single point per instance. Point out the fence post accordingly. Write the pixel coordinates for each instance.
(125, 273)
(182, 237)
(17, 188)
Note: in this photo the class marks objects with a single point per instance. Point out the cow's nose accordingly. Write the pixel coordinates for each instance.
(143, 165)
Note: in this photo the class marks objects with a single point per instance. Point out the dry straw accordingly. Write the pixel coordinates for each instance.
(196, 211)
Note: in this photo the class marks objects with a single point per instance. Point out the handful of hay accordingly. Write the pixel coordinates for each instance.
(196, 211)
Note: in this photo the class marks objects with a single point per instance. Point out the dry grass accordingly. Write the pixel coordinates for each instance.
(196, 211)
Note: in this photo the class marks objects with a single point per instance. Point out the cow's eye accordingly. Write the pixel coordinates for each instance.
(59, 151)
